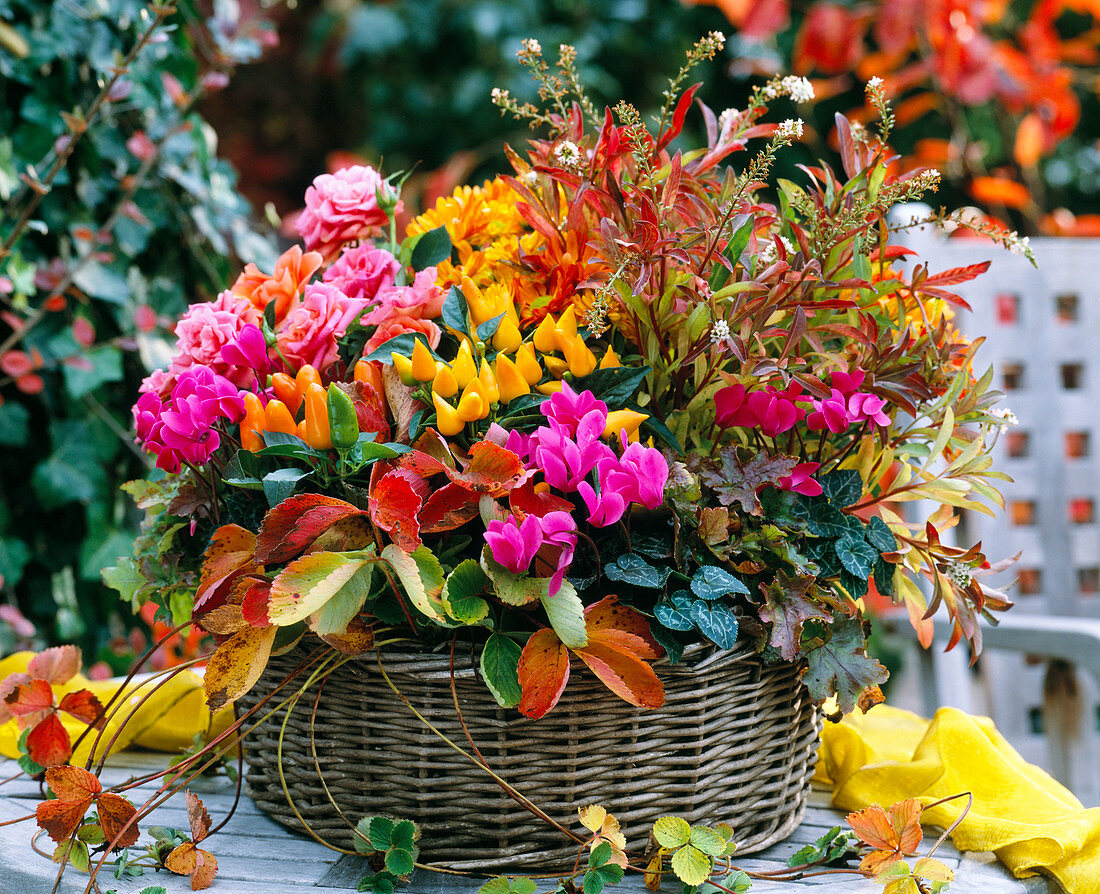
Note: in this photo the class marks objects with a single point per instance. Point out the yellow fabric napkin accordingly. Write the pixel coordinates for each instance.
(1029, 820)
(168, 721)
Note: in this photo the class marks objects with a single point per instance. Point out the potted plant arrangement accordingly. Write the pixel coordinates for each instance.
(574, 492)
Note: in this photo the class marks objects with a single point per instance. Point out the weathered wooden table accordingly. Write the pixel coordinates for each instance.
(257, 856)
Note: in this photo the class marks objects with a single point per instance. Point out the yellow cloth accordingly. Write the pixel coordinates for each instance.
(1030, 821)
(168, 721)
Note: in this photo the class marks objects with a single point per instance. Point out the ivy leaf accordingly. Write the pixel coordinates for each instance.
(884, 577)
(500, 669)
(825, 520)
(712, 582)
(737, 482)
(842, 487)
(630, 568)
(788, 602)
(841, 666)
(717, 622)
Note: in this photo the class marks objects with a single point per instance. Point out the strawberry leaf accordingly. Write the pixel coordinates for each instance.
(543, 672)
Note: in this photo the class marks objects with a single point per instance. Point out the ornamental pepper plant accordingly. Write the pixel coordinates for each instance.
(627, 401)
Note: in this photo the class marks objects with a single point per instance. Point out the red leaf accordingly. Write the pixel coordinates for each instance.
(956, 275)
(57, 665)
(609, 617)
(48, 743)
(30, 702)
(678, 117)
(543, 672)
(627, 676)
(75, 788)
(115, 812)
(1000, 191)
(289, 528)
(7, 686)
(83, 706)
(231, 553)
(394, 504)
(492, 469)
(255, 602)
(448, 508)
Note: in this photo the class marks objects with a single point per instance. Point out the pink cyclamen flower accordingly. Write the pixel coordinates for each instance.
(310, 331)
(641, 472)
(515, 544)
(831, 413)
(865, 406)
(565, 462)
(249, 350)
(604, 508)
(800, 480)
(770, 410)
(340, 208)
(567, 407)
(363, 271)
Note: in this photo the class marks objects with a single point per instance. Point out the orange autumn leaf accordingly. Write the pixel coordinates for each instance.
(893, 835)
(1000, 191)
(609, 615)
(236, 665)
(83, 705)
(48, 744)
(115, 818)
(492, 469)
(30, 702)
(75, 789)
(289, 528)
(197, 817)
(201, 865)
(628, 676)
(1030, 137)
(543, 672)
(231, 553)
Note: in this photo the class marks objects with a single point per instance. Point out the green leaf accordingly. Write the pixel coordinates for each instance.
(399, 861)
(840, 665)
(675, 611)
(842, 487)
(615, 386)
(306, 584)
(105, 366)
(243, 470)
(367, 450)
(14, 556)
(380, 883)
(13, 424)
(712, 582)
(380, 832)
(691, 865)
(405, 834)
(431, 248)
(599, 855)
(672, 831)
(280, 484)
(455, 313)
(884, 577)
(277, 443)
(825, 520)
(717, 622)
(630, 568)
(489, 328)
(514, 589)
(880, 536)
(74, 471)
(565, 612)
(400, 344)
(856, 555)
(593, 883)
(335, 615)
(503, 885)
(76, 852)
(500, 669)
(708, 841)
(460, 593)
(674, 649)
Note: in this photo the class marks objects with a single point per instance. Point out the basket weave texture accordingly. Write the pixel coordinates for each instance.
(734, 742)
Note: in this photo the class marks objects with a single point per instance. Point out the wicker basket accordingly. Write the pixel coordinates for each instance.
(735, 741)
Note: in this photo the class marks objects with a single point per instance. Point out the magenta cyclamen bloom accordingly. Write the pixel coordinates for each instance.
(638, 476)
(770, 410)
(248, 349)
(566, 462)
(800, 480)
(568, 408)
(515, 544)
(846, 404)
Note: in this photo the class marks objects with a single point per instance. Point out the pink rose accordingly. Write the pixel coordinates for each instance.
(342, 207)
(396, 326)
(363, 272)
(407, 309)
(310, 331)
(201, 334)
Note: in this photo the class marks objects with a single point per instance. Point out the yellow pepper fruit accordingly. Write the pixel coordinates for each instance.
(556, 366)
(463, 366)
(507, 337)
(422, 363)
(403, 365)
(581, 360)
(472, 405)
(528, 365)
(445, 384)
(317, 431)
(277, 418)
(545, 337)
(610, 359)
(488, 382)
(551, 387)
(480, 309)
(447, 421)
(253, 423)
(567, 323)
(509, 380)
(624, 420)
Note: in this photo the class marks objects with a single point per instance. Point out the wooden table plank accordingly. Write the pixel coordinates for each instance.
(258, 856)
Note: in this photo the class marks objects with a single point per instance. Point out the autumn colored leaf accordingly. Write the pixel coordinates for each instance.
(628, 676)
(353, 532)
(7, 686)
(543, 672)
(115, 812)
(55, 665)
(355, 640)
(254, 602)
(187, 859)
(394, 504)
(421, 578)
(231, 553)
(788, 602)
(48, 744)
(841, 665)
(608, 617)
(448, 508)
(236, 665)
(197, 817)
(289, 528)
(83, 705)
(524, 500)
(870, 697)
(30, 702)
(75, 789)
(893, 835)
(492, 470)
(225, 620)
(306, 584)
(604, 827)
(735, 481)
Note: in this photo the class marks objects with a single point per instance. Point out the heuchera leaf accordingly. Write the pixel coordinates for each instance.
(289, 528)
(543, 672)
(893, 835)
(737, 482)
(788, 602)
(236, 665)
(55, 665)
(841, 666)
